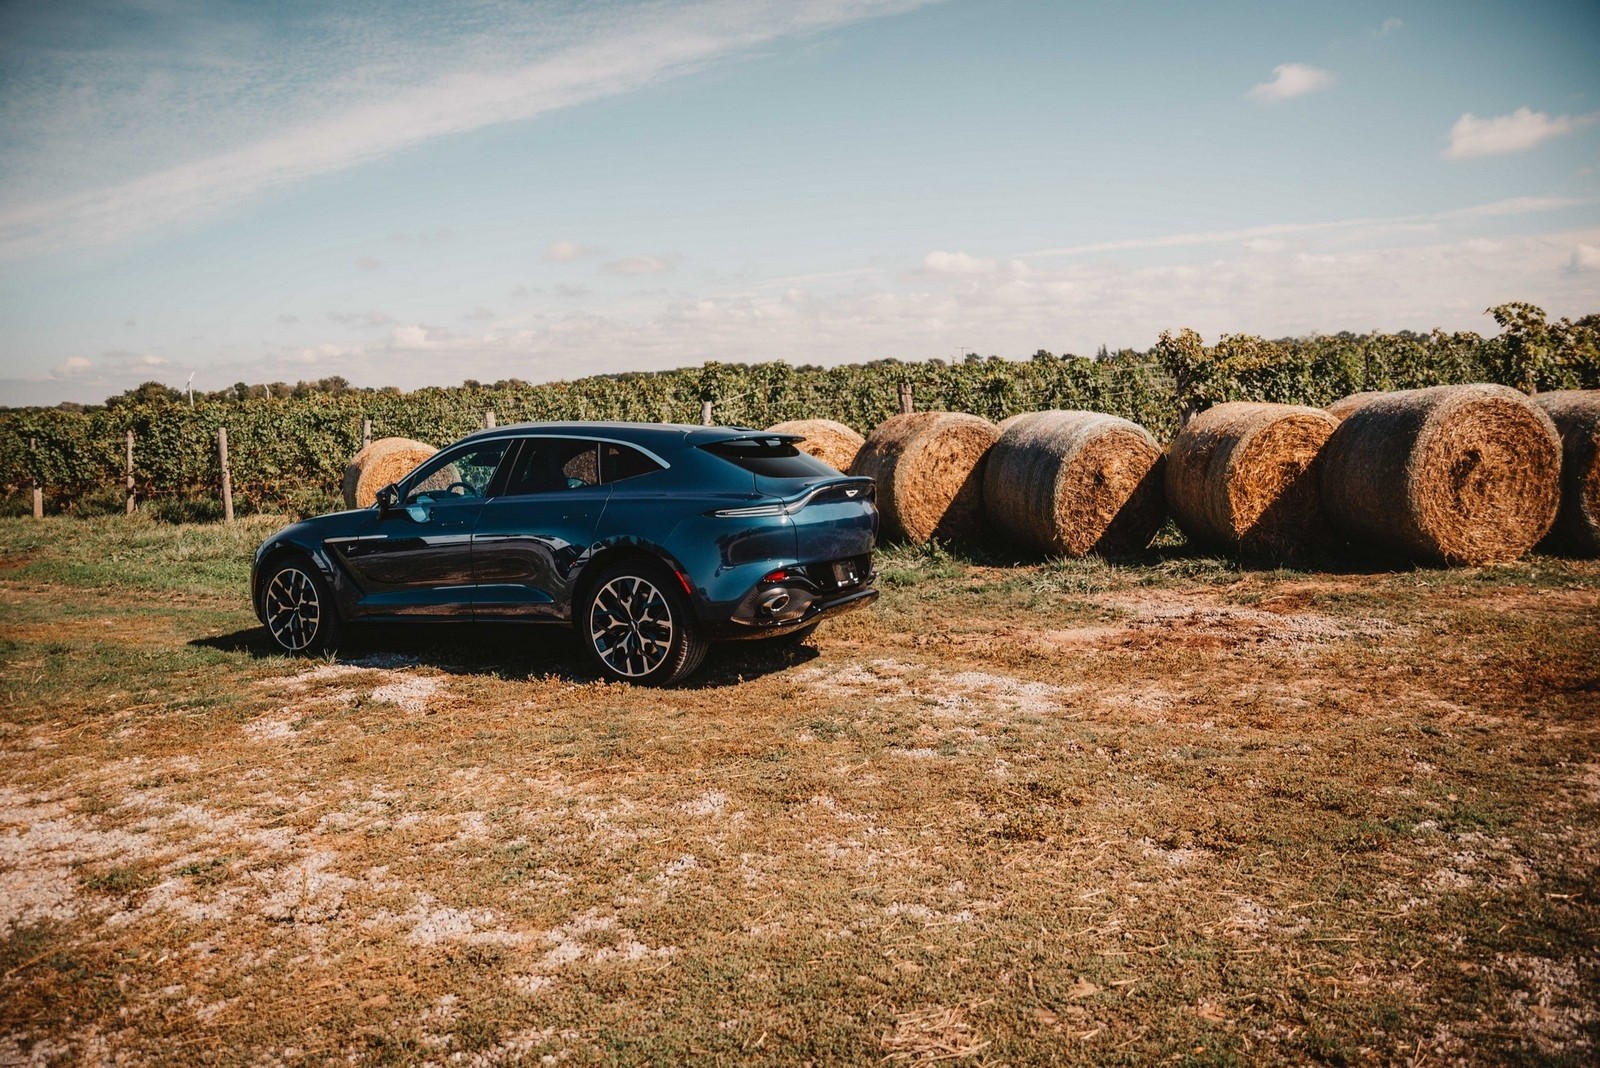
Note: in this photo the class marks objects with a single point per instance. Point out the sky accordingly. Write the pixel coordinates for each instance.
(418, 194)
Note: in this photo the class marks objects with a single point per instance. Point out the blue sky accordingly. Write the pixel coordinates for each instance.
(420, 194)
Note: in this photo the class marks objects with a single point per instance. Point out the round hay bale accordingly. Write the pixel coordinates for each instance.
(929, 470)
(1071, 483)
(833, 443)
(375, 466)
(1456, 474)
(1576, 415)
(1243, 477)
(1342, 407)
(1010, 419)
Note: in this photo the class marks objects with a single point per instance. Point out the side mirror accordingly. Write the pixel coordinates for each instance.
(387, 497)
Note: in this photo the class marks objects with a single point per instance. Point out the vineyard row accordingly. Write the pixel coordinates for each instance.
(289, 454)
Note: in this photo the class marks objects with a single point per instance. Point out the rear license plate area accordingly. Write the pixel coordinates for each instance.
(846, 572)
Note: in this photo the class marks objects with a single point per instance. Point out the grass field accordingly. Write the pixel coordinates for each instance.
(1061, 813)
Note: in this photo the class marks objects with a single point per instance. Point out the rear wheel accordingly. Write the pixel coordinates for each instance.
(298, 607)
(637, 626)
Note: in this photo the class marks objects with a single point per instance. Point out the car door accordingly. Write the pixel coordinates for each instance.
(530, 537)
(415, 559)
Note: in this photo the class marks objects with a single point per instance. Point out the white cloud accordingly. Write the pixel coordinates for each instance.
(938, 262)
(566, 252)
(1389, 26)
(631, 265)
(385, 88)
(1071, 307)
(370, 318)
(73, 367)
(1366, 227)
(480, 312)
(1289, 80)
(1516, 132)
(1585, 259)
(367, 263)
(135, 359)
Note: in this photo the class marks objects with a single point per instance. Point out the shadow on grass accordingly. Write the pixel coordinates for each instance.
(510, 650)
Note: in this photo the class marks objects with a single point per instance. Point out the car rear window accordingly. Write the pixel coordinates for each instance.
(769, 457)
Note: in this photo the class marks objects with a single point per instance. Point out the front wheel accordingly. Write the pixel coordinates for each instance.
(298, 607)
(637, 626)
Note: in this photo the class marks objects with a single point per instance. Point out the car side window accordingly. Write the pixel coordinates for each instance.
(458, 474)
(620, 461)
(546, 465)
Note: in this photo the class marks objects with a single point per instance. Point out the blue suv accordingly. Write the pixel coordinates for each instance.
(649, 540)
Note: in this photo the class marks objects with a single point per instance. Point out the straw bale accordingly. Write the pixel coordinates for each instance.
(929, 470)
(1455, 474)
(1576, 414)
(378, 464)
(1071, 483)
(1342, 407)
(833, 443)
(1243, 477)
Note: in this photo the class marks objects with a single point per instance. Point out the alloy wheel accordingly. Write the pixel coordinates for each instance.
(294, 609)
(630, 626)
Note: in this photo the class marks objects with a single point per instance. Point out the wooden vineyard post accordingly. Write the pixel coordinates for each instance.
(38, 490)
(705, 413)
(227, 478)
(130, 473)
(905, 398)
(366, 432)
(488, 418)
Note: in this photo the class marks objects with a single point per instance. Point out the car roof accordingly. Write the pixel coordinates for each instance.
(649, 435)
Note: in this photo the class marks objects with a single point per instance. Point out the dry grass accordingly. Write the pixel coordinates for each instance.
(1060, 813)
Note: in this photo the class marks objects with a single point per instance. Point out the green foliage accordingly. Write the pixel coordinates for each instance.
(289, 445)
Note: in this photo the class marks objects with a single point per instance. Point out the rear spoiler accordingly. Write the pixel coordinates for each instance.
(717, 435)
(845, 487)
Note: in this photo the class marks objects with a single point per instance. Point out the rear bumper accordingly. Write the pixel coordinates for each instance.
(821, 607)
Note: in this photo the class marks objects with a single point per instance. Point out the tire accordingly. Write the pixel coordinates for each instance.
(297, 604)
(637, 626)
